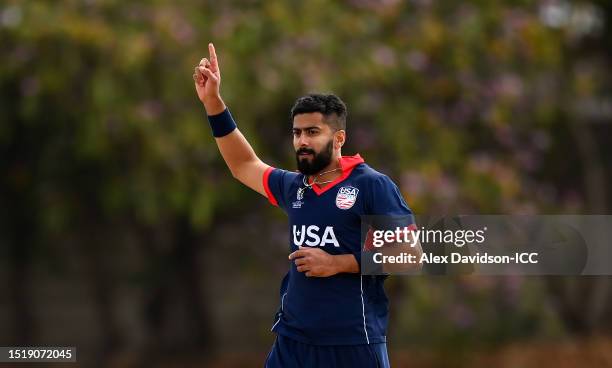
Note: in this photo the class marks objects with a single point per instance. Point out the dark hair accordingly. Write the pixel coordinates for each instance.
(331, 106)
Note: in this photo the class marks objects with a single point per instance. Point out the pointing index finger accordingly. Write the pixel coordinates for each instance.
(213, 57)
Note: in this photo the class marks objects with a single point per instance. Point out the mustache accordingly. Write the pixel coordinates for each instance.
(304, 150)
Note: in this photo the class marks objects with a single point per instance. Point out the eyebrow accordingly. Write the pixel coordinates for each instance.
(306, 128)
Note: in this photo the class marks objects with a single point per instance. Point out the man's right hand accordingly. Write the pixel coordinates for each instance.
(207, 78)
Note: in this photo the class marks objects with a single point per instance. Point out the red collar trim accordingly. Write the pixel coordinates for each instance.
(347, 164)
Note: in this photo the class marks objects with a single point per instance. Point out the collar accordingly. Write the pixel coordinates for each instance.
(347, 164)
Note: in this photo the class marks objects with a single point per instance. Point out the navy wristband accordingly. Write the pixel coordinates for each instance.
(222, 124)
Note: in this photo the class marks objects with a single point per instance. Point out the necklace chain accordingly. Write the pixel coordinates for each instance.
(314, 181)
(300, 192)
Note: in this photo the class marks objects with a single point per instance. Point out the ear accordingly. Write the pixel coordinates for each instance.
(339, 139)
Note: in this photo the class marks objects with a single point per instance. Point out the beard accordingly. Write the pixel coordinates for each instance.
(319, 160)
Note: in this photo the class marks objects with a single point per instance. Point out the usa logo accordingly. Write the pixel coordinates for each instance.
(346, 197)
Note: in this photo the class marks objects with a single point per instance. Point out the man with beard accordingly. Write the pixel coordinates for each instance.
(329, 314)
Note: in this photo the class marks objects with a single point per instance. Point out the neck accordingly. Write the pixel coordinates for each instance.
(330, 173)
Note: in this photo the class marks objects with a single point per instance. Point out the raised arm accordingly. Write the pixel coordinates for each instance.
(235, 149)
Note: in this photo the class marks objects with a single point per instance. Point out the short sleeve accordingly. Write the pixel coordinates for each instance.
(386, 210)
(386, 199)
(277, 183)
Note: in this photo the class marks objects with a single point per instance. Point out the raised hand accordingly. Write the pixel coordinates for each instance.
(207, 78)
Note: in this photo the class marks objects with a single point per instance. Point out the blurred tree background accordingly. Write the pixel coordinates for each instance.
(123, 232)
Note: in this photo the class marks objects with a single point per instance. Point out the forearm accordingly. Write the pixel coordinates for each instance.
(236, 152)
(346, 263)
(234, 148)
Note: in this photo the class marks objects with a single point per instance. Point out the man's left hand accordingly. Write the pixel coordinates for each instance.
(315, 262)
